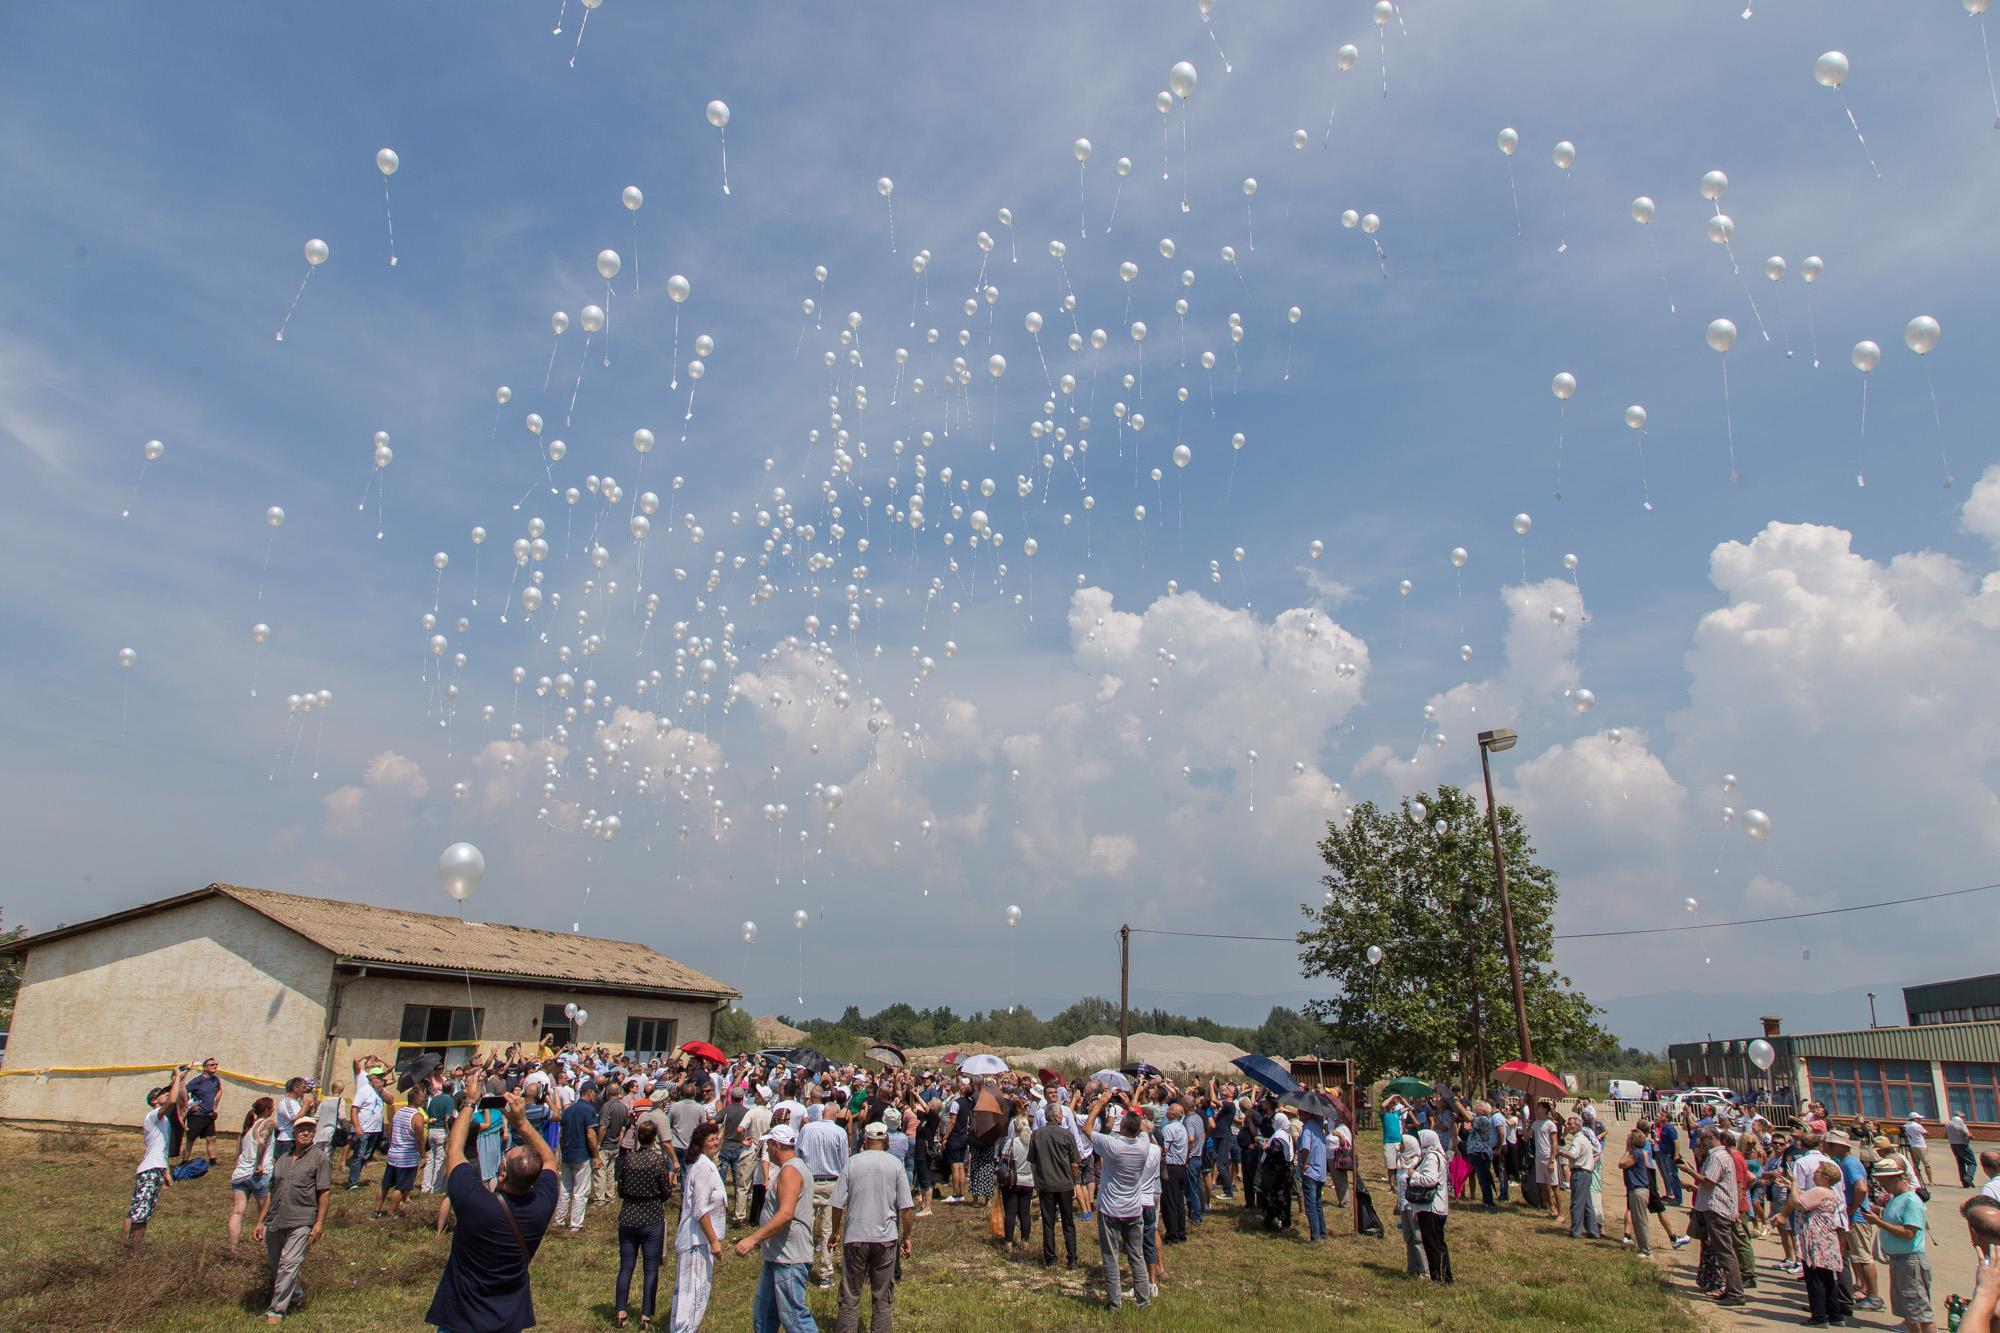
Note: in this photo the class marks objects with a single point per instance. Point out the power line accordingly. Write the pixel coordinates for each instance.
(1644, 930)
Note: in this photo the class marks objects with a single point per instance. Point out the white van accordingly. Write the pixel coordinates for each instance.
(1627, 1090)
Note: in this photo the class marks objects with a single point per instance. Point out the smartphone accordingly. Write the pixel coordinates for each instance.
(491, 1103)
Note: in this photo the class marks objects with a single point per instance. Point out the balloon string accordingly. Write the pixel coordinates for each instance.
(892, 224)
(1184, 157)
(607, 323)
(1990, 88)
(1812, 329)
(578, 386)
(572, 64)
(391, 217)
(1645, 493)
(295, 303)
(1782, 328)
(1728, 419)
(1163, 150)
(1861, 453)
(1082, 229)
(1290, 343)
(550, 372)
(1116, 195)
(723, 135)
(475, 576)
(1515, 192)
(1250, 222)
(125, 708)
(264, 573)
(1744, 283)
(1938, 417)
(1382, 37)
(1562, 224)
(1209, 23)
(126, 512)
(1562, 418)
(1672, 309)
(559, 18)
(673, 366)
(1859, 136)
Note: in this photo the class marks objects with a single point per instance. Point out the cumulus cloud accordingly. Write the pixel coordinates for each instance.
(391, 785)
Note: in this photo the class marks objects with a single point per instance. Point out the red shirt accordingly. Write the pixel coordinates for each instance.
(1742, 1181)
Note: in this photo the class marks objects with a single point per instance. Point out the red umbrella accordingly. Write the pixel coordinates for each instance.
(1531, 1079)
(703, 1050)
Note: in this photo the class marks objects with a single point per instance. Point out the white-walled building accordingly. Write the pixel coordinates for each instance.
(276, 985)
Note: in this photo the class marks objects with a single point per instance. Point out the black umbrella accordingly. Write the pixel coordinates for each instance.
(415, 1070)
(1313, 1103)
(1140, 1069)
(882, 1053)
(803, 1058)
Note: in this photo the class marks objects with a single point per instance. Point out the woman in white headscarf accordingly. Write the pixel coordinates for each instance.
(1274, 1184)
(1407, 1156)
(1429, 1193)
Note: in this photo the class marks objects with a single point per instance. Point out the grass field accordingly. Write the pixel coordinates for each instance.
(63, 1198)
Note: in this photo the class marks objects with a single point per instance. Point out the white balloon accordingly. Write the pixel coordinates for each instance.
(749, 932)
(1013, 915)
(274, 516)
(1865, 356)
(460, 869)
(1830, 70)
(1510, 139)
(386, 161)
(1757, 824)
(1762, 1054)
(1081, 148)
(316, 252)
(1642, 209)
(1774, 267)
(127, 657)
(632, 197)
(1635, 417)
(1811, 267)
(1563, 386)
(1713, 185)
(1582, 700)
(678, 288)
(592, 318)
(718, 113)
(1921, 334)
(1181, 80)
(1458, 557)
(1522, 523)
(1374, 954)
(1564, 155)
(608, 264)
(1721, 335)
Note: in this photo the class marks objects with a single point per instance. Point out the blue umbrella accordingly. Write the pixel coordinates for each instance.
(1268, 1074)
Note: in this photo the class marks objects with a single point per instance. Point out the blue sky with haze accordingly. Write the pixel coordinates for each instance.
(165, 170)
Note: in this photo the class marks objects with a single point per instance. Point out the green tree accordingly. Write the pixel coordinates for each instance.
(10, 975)
(1417, 883)
(735, 1031)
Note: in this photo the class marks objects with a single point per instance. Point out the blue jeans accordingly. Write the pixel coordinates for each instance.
(637, 1246)
(1195, 1207)
(1482, 1167)
(780, 1306)
(731, 1155)
(359, 1150)
(1315, 1211)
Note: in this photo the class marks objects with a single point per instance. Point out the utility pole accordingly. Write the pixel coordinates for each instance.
(1500, 738)
(1871, 1010)
(1124, 989)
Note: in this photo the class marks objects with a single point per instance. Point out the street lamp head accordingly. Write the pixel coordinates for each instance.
(1498, 739)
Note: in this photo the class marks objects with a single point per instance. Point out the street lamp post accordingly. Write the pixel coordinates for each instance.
(1493, 742)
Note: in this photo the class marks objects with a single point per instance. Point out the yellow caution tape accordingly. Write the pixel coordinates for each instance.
(133, 1069)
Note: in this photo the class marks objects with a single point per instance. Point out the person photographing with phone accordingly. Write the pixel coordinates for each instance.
(485, 1286)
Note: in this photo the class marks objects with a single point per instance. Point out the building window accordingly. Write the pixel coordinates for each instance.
(1973, 1091)
(1874, 1088)
(450, 1034)
(557, 1029)
(648, 1037)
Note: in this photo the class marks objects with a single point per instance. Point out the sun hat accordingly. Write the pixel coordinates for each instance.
(1890, 1167)
(782, 1134)
(876, 1130)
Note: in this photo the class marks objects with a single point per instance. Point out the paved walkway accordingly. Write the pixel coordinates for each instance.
(1779, 1299)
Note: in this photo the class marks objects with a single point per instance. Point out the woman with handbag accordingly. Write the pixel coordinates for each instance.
(1340, 1161)
(1429, 1197)
(1017, 1183)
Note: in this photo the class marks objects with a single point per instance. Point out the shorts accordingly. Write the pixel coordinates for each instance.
(1860, 1241)
(1093, 1169)
(1910, 1288)
(256, 1186)
(954, 1152)
(402, 1178)
(146, 1187)
(200, 1125)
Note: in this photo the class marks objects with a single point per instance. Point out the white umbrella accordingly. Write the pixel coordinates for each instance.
(982, 1064)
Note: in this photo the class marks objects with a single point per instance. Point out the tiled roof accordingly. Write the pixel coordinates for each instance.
(420, 939)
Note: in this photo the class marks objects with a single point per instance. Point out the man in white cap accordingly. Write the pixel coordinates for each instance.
(786, 1233)
(292, 1214)
(1903, 1229)
(872, 1208)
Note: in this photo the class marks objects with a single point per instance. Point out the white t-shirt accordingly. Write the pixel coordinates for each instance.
(1992, 1189)
(288, 1110)
(367, 1108)
(154, 1127)
(1149, 1178)
(565, 1096)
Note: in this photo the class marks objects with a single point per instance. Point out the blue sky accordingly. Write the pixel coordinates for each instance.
(165, 173)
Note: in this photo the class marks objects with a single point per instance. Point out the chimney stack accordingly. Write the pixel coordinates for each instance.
(1771, 1024)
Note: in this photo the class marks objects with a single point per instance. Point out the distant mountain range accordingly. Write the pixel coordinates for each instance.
(1649, 1022)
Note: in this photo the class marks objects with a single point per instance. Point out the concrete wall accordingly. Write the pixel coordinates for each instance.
(369, 1019)
(208, 978)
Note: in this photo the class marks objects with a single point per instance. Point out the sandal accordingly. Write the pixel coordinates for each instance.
(621, 1318)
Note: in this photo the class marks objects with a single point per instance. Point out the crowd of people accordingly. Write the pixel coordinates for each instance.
(824, 1171)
